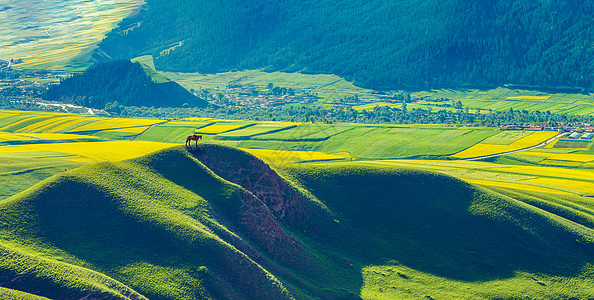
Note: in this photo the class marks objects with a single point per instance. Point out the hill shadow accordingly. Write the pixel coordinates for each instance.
(312, 227)
(443, 226)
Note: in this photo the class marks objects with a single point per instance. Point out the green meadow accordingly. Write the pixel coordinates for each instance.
(197, 225)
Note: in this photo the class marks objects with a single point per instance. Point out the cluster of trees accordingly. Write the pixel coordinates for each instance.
(379, 115)
(119, 81)
(377, 44)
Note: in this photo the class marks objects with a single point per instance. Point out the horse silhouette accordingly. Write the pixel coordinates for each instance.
(191, 138)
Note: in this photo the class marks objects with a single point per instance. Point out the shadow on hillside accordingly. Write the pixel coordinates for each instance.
(429, 222)
(426, 222)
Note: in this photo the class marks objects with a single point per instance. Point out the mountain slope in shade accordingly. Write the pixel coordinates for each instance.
(376, 44)
(219, 223)
(123, 82)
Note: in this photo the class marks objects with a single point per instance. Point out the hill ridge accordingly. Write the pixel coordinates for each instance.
(219, 223)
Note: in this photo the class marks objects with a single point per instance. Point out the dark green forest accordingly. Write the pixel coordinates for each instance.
(119, 82)
(376, 44)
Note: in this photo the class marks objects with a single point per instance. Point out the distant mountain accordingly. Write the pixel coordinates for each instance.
(377, 44)
(124, 82)
(219, 223)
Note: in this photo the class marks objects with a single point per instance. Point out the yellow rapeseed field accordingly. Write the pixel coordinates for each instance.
(564, 163)
(4, 114)
(93, 151)
(63, 126)
(518, 186)
(7, 136)
(135, 130)
(199, 119)
(281, 156)
(21, 121)
(489, 149)
(574, 185)
(42, 126)
(115, 123)
(548, 171)
(562, 156)
(187, 124)
(529, 97)
(218, 128)
(59, 136)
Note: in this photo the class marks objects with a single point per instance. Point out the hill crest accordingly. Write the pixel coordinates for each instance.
(220, 223)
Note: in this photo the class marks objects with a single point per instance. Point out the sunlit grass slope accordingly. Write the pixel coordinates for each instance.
(143, 229)
(219, 223)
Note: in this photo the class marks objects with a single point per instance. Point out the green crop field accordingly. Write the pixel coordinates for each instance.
(502, 99)
(321, 83)
(373, 142)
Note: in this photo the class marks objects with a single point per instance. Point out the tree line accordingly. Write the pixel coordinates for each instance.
(377, 115)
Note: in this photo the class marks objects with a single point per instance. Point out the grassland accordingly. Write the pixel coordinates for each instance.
(181, 225)
(175, 197)
(48, 35)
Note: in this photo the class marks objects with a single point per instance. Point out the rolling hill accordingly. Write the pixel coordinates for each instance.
(218, 223)
(376, 44)
(124, 82)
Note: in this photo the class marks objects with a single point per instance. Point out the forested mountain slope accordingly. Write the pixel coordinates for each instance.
(218, 223)
(123, 82)
(378, 44)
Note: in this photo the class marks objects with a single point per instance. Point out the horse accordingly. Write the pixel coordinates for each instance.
(191, 138)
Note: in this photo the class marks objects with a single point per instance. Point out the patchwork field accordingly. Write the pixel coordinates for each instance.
(58, 34)
(174, 196)
(84, 138)
(554, 180)
(502, 99)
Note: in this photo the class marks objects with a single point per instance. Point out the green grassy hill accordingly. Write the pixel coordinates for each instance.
(219, 223)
